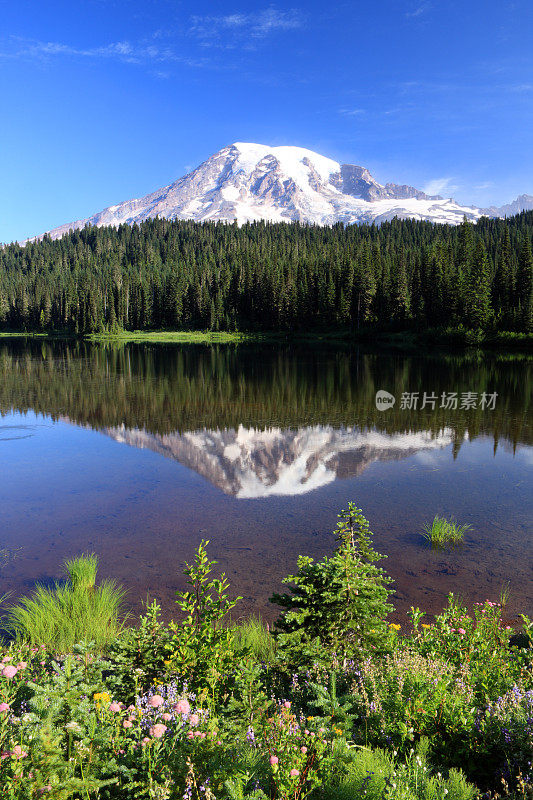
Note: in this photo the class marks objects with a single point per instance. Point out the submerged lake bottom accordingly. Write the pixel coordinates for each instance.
(139, 452)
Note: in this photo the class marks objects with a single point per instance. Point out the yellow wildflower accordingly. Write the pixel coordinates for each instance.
(425, 625)
(394, 626)
(101, 698)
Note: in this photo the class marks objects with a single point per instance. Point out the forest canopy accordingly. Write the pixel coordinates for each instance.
(273, 276)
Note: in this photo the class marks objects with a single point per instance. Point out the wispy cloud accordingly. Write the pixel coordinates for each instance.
(418, 11)
(485, 185)
(442, 186)
(521, 87)
(257, 25)
(127, 52)
(352, 112)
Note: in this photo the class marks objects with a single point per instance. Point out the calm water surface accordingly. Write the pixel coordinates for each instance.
(138, 453)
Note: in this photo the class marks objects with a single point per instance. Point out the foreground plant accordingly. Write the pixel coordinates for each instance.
(72, 612)
(442, 532)
(338, 605)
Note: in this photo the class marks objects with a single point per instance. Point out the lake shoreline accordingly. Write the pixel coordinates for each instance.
(449, 338)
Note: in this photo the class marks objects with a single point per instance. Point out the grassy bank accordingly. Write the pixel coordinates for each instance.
(448, 338)
(336, 703)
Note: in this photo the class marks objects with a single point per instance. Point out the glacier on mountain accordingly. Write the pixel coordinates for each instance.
(248, 182)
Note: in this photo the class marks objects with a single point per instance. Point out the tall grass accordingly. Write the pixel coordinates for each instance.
(442, 532)
(253, 635)
(72, 612)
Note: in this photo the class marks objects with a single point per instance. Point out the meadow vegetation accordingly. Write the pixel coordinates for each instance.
(336, 702)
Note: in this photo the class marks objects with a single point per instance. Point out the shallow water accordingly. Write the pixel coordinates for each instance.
(139, 452)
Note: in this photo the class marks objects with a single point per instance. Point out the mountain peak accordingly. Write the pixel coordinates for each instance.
(247, 182)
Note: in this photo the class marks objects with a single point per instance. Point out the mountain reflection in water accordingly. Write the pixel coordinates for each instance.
(249, 463)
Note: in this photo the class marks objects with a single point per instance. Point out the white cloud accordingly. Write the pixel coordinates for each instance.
(128, 52)
(418, 11)
(257, 25)
(352, 112)
(442, 186)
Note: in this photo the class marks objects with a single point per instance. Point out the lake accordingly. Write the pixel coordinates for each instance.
(137, 452)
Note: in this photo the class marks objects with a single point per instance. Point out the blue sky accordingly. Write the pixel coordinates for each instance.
(106, 100)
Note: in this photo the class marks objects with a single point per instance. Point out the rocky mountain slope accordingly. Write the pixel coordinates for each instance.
(247, 182)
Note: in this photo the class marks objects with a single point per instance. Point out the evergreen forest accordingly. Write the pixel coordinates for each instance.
(164, 274)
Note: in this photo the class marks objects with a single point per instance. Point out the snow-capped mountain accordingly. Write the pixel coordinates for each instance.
(250, 463)
(247, 182)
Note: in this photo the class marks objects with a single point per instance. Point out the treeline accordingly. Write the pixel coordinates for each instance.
(263, 276)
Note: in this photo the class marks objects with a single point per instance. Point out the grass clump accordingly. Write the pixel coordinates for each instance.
(254, 635)
(442, 532)
(71, 612)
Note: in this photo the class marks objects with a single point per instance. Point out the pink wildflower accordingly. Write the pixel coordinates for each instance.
(194, 719)
(166, 716)
(190, 735)
(182, 706)
(114, 707)
(202, 735)
(461, 631)
(287, 704)
(157, 730)
(22, 665)
(10, 671)
(127, 723)
(273, 760)
(156, 701)
(294, 773)
(303, 750)
(146, 740)
(4, 707)
(18, 752)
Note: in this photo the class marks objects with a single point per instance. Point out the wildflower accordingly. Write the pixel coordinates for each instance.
(72, 726)
(114, 707)
(22, 665)
(294, 773)
(461, 631)
(194, 719)
(146, 740)
(287, 704)
(18, 752)
(395, 626)
(127, 723)
(155, 701)
(101, 698)
(182, 706)
(9, 671)
(425, 625)
(4, 707)
(303, 750)
(166, 716)
(158, 730)
(273, 760)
